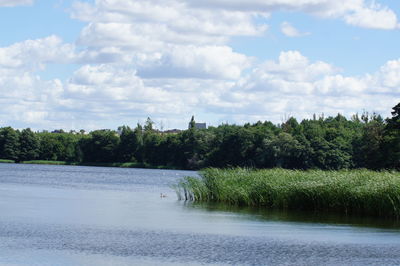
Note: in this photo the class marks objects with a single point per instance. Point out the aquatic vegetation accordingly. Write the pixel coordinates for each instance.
(361, 192)
(6, 161)
(49, 162)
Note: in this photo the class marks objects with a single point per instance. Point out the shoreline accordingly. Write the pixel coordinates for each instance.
(117, 165)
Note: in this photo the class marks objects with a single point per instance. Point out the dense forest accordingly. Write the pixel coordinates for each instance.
(365, 141)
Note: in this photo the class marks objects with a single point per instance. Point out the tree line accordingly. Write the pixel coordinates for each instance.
(363, 141)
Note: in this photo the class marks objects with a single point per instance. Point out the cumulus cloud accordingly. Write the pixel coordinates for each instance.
(172, 17)
(325, 7)
(34, 54)
(294, 74)
(216, 62)
(115, 94)
(354, 12)
(293, 66)
(292, 85)
(169, 59)
(104, 82)
(290, 31)
(12, 3)
(389, 76)
(29, 100)
(373, 16)
(189, 39)
(164, 39)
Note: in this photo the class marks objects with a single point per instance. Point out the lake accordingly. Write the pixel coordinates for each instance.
(72, 215)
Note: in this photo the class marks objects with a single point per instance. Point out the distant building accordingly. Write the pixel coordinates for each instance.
(199, 125)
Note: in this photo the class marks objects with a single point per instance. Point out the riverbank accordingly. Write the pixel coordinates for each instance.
(121, 165)
(6, 161)
(359, 192)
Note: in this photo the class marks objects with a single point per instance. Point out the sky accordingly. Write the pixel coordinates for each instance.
(106, 63)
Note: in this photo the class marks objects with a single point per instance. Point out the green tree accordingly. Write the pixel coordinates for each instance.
(369, 153)
(29, 145)
(284, 151)
(391, 142)
(138, 143)
(50, 148)
(232, 146)
(148, 126)
(192, 123)
(9, 143)
(101, 146)
(290, 126)
(394, 121)
(128, 145)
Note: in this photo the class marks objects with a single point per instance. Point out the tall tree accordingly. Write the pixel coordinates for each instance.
(192, 123)
(394, 122)
(392, 139)
(148, 126)
(9, 146)
(101, 146)
(370, 151)
(127, 146)
(29, 145)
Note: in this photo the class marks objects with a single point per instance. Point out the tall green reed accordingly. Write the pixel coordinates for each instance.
(348, 191)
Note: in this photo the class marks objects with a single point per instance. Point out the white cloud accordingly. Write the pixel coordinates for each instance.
(373, 17)
(293, 66)
(173, 17)
(293, 85)
(355, 12)
(34, 54)
(170, 59)
(217, 62)
(164, 39)
(291, 31)
(12, 3)
(104, 82)
(29, 100)
(340, 85)
(188, 39)
(326, 7)
(108, 95)
(294, 74)
(389, 76)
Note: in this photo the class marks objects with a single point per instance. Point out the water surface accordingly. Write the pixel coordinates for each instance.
(70, 215)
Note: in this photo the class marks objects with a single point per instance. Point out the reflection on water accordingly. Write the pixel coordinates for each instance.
(264, 214)
(66, 215)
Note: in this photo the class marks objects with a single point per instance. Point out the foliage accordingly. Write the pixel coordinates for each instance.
(100, 146)
(28, 145)
(9, 143)
(391, 140)
(46, 162)
(329, 143)
(6, 161)
(345, 191)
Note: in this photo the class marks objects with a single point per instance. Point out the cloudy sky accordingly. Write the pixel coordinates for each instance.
(106, 63)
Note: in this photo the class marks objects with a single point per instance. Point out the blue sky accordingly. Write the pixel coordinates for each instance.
(105, 63)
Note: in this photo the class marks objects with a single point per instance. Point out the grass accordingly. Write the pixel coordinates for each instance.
(6, 161)
(359, 192)
(46, 162)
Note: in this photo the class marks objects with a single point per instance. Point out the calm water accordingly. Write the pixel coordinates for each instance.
(69, 215)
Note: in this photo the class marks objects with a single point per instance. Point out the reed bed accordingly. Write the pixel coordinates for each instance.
(6, 161)
(45, 162)
(359, 192)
